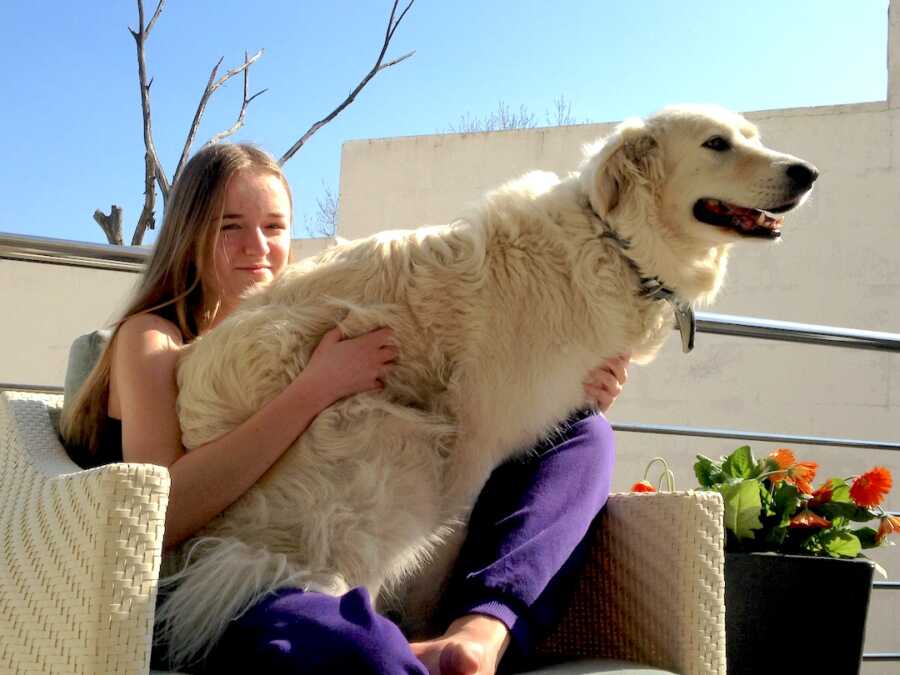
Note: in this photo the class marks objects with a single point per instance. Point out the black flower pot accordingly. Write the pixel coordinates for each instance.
(795, 614)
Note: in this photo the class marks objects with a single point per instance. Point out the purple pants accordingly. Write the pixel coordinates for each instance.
(522, 552)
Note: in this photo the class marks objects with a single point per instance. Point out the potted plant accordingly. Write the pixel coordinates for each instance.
(797, 584)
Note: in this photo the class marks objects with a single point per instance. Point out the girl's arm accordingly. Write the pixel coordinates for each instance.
(209, 478)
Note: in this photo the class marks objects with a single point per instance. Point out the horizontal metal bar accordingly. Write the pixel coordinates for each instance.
(881, 656)
(132, 258)
(72, 253)
(39, 388)
(886, 585)
(786, 331)
(673, 430)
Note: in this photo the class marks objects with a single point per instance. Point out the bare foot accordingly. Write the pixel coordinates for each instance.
(472, 645)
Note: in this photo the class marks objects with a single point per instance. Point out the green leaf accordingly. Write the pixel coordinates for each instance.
(787, 501)
(866, 536)
(742, 508)
(840, 543)
(709, 474)
(740, 463)
(847, 511)
(766, 501)
(840, 491)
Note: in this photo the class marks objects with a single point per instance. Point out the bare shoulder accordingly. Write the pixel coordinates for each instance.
(142, 374)
(148, 333)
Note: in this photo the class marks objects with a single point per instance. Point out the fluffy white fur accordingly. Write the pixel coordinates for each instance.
(498, 316)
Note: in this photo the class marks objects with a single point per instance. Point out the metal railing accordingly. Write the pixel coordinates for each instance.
(72, 253)
(131, 259)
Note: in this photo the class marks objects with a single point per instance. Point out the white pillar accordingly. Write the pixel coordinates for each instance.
(893, 54)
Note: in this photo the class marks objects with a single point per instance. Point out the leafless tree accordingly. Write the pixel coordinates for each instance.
(561, 114)
(501, 119)
(504, 118)
(154, 174)
(323, 222)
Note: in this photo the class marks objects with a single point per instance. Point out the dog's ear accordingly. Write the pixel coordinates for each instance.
(625, 159)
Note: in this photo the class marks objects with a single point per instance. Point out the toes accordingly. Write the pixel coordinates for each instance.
(461, 658)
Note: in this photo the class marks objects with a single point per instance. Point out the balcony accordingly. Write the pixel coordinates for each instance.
(55, 290)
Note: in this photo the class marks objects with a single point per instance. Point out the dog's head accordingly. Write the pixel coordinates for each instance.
(697, 174)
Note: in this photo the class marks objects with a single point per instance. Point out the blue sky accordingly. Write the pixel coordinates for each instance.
(71, 123)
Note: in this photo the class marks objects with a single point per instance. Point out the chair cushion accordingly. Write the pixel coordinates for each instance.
(596, 666)
(83, 356)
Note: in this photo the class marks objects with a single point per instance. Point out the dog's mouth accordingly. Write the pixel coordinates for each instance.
(745, 221)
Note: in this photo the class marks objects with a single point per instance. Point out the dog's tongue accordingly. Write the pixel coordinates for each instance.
(747, 219)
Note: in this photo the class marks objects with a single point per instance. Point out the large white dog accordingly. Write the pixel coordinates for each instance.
(498, 317)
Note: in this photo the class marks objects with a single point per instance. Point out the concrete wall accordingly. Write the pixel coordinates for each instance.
(45, 307)
(836, 265)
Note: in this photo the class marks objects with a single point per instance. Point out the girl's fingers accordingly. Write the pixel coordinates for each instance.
(617, 368)
(382, 336)
(332, 336)
(603, 378)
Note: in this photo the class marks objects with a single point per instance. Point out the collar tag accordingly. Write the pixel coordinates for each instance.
(687, 325)
(654, 289)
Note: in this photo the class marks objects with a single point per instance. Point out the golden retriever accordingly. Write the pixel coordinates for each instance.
(497, 316)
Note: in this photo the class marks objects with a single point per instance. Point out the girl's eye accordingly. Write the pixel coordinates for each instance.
(276, 226)
(230, 226)
(717, 144)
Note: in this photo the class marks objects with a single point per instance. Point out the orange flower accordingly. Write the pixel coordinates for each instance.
(822, 495)
(796, 473)
(889, 525)
(783, 459)
(643, 486)
(870, 488)
(802, 475)
(807, 518)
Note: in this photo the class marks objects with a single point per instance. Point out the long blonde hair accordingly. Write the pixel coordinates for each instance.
(176, 282)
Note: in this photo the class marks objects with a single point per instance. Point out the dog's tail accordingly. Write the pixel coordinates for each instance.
(221, 579)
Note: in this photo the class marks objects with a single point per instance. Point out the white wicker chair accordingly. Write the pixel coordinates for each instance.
(80, 554)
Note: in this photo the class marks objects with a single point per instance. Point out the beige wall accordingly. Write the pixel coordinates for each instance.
(836, 265)
(45, 307)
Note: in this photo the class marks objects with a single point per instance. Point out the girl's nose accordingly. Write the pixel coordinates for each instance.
(255, 241)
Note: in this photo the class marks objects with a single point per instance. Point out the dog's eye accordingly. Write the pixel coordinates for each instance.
(717, 143)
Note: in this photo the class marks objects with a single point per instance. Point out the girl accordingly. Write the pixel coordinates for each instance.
(227, 229)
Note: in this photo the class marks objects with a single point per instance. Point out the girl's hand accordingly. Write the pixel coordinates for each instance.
(603, 384)
(340, 367)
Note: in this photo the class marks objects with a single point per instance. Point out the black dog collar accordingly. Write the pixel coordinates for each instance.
(654, 288)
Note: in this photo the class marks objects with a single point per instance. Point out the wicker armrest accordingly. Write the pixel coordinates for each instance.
(653, 589)
(79, 551)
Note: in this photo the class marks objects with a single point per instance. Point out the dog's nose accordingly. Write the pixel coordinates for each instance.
(802, 175)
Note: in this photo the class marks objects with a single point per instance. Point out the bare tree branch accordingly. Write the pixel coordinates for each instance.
(111, 224)
(208, 91)
(378, 67)
(502, 119)
(240, 120)
(156, 14)
(561, 114)
(154, 174)
(147, 220)
(323, 223)
(140, 37)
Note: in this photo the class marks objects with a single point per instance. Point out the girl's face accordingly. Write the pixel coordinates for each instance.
(254, 235)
